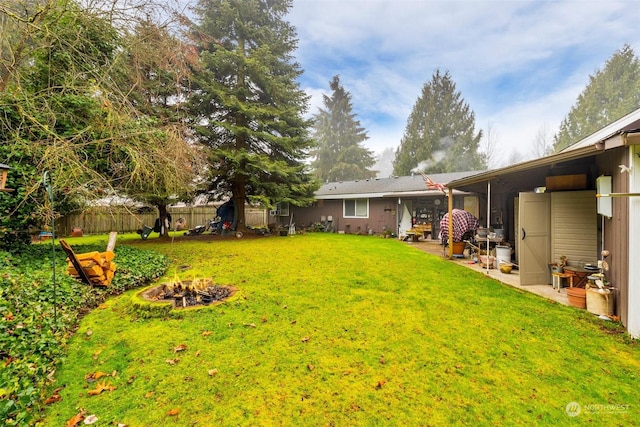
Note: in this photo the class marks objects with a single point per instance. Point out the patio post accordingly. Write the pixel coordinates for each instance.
(450, 208)
(488, 222)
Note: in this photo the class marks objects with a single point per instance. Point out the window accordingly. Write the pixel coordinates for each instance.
(282, 209)
(356, 208)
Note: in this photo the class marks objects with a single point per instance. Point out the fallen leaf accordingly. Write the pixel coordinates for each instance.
(96, 354)
(305, 339)
(206, 333)
(213, 372)
(382, 360)
(148, 395)
(172, 361)
(310, 367)
(50, 376)
(90, 419)
(197, 353)
(100, 387)
(264, 319)
(89, 332)
(53, 399)
(380, 384)
(181, 347)
(122, 425)
(95, 375)
(76, 419)
(173, 412)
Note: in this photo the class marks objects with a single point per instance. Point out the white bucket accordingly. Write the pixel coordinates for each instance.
(503, 254)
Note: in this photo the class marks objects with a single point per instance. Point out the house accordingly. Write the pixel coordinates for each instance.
(380, 204)
(576, 203)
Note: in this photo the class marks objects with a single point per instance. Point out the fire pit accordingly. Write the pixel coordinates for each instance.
(189, 293)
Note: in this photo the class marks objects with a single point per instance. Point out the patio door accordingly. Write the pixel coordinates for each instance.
(534, 229)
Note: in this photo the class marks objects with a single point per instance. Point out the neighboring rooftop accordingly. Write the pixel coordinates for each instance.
(413, 185)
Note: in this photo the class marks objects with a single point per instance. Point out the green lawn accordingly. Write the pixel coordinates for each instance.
(346, 330)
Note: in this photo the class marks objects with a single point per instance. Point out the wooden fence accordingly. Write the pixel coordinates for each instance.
(100, 221)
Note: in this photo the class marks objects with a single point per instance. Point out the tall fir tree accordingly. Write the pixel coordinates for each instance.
(610, 94)
(340, 155)
(247, 106)
(440, 134)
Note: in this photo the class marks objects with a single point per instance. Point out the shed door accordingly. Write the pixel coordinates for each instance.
(574, 226)
(534, 213)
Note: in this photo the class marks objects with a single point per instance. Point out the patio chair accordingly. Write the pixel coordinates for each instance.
(145, 232)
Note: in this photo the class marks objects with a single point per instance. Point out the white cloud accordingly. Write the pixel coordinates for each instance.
(518, 64)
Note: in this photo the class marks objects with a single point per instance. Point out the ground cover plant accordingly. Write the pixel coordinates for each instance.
(339, 330)
(37, 319)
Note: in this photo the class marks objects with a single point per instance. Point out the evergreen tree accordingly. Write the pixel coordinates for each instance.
(340, 155)
(440, 134)
(247, 106)
(610, 94)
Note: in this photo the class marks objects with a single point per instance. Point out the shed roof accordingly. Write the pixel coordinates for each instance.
(387, 187)
(623, 131)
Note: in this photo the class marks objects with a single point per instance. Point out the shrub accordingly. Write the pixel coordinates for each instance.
(38, 314)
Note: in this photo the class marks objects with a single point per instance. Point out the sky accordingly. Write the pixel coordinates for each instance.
(519, 65)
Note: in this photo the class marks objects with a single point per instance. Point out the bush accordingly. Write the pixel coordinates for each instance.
(36, 317)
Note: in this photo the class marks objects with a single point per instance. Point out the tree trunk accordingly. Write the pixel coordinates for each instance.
(239, 189)
(239, 197)
(164, 221)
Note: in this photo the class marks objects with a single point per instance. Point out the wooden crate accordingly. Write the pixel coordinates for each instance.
(566, 182)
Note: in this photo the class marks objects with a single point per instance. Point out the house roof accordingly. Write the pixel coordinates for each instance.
(386, 187)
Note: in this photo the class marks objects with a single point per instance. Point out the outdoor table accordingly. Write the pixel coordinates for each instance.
(493, 241)
(581, 275)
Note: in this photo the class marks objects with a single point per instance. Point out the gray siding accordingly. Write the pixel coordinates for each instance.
(616, 229)
(574, 226)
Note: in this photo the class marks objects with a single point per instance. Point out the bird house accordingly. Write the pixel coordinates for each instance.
(4, 169)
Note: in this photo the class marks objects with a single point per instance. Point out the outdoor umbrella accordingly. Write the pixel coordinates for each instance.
(463, 221)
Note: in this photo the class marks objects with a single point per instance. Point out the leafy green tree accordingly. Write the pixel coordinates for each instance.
(157, 71)
(67, 107)
(246, 105)
(340, 155)
(49, 109)
(440, 134)
(610, 94)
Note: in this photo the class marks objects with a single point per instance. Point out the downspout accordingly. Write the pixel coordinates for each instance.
(450, 208)
(399, 214)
